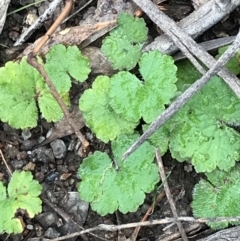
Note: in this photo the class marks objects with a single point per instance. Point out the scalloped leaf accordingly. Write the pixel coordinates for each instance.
(120, 52)
(200, 130)
(49, 107)
(124, 189)
(17, 91)
(134, 28)
(218, 197)
(62, 62)
(159, 74)
(99, 116)
(123, 46)
(126, 94)
(23, 193)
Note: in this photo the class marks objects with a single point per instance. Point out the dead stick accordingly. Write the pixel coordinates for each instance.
(178, 35)
(33, 61)
(8, 168)
(114, 228)
(134, 235)
(168, 194)
(56, 24)
(67, 218)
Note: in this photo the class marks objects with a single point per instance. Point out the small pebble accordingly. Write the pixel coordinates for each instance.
(51, 177)
(43, 154)
(51, 233)
(17, 164)
(47, 220)
(59, 149)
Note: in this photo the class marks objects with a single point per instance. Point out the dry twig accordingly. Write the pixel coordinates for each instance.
(147, 214)
(67, 218)
(114, 228)
(56, 24)
(7, 166)
(26, 34)
(168, 194)
(195, 23)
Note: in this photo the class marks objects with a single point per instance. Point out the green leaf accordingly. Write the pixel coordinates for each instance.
(124, 189)
(218, 197)
(200, 133)
(159, 74)
(17, 90)
(232, 64)
(49, 107)
(123, 46)
(120, 52)
(23, 194)
(64, 62)
(126, 94)
(21, 86)
(99, 116)
(134, 28)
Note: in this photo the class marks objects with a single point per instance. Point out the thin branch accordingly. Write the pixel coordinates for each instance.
(33, 61)
(168, 194)
(134, 235)
(183, 99)
(77, 11)
(48, 13)
(7, 166)
(173, 31)
(56, 24)
(67, 218)
(187, 53)
(114, 228)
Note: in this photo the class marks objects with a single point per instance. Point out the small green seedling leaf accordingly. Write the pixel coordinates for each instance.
(23, 193)
(218, 197)
(233, 63)
(123, 46)
(23, 90)
(111, 186)
(201, 131)
(62, 62)
(126, 94)
(159, 74)
(99, 115)
(17, 91)
(134, 28)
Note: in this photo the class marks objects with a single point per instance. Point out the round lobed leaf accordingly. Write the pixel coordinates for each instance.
(17, 91)
(218, 197)
(159, 74)
(63, 62)
(120, 52)
(119, 185)
(200, 130)
(23, 193)
(134, 28)
(125, 93)
(98, 114)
